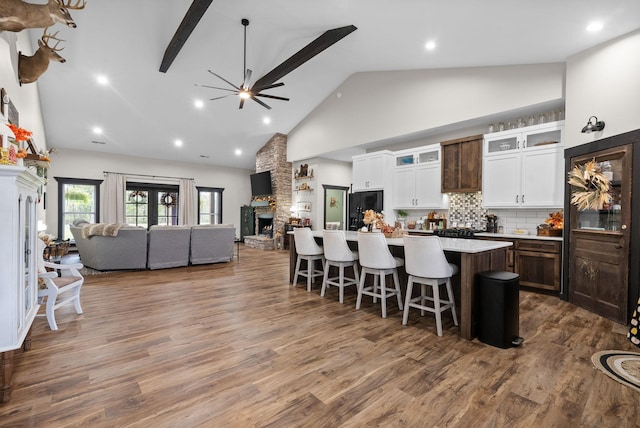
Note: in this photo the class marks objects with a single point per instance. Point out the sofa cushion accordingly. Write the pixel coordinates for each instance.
(168, 246)
(212, 243)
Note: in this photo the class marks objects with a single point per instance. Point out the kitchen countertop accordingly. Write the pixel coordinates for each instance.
(459, 245)
(500, 235)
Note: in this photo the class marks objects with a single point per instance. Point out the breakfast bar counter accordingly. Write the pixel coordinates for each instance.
(471, 255)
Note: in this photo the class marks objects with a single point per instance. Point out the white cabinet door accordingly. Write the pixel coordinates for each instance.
(428, 186)
(501, 181)
(543, 179)
(369, 172)
(404, 188)
(360, 173)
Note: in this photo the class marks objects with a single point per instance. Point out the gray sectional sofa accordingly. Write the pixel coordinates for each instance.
(161, 247)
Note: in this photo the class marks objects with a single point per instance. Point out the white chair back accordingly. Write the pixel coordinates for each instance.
(424, 257)
(305, 244)
(335, 246)
(374, 251)
(40, 257)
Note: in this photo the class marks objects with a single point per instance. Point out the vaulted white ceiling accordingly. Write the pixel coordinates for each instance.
(143, 111)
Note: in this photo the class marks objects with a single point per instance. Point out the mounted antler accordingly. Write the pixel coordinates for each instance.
(30, 68)
(16, 15)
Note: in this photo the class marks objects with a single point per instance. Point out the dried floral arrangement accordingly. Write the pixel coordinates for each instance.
(555, 220)
(590, 186)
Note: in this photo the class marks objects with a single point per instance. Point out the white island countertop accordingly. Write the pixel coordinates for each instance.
(458, 245)
(497, 235)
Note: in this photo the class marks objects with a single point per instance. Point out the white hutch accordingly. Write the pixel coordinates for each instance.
(18, 273)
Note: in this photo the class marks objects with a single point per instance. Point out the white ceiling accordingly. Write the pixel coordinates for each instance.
(142, 111)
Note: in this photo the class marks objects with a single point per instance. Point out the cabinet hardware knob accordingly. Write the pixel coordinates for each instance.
(623, 227)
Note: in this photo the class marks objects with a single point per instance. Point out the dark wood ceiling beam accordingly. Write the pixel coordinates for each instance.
(188, 24)
(321, 43)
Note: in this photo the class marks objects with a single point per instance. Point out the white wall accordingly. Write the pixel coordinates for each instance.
(330, 172)
(376, 106)
(604, 81)
(91, 165)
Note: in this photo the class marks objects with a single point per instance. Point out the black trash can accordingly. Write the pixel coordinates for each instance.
(498, 313)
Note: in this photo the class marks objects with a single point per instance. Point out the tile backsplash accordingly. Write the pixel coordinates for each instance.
(467, 208)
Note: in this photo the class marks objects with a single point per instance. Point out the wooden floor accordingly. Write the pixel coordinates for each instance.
(234, 345)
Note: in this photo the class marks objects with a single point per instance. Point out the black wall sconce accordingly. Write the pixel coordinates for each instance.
(593, 125)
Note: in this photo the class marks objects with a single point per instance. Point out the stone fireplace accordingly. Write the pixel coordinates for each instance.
(272, 215)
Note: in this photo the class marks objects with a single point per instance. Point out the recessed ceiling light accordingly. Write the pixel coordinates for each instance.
(594, 26)
(266, 120)
(178, 143)
(238, 152)
(97, 130)
(102, 80)
(198, 103)
(430, 45)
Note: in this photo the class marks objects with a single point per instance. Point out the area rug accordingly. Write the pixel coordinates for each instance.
(620, 365)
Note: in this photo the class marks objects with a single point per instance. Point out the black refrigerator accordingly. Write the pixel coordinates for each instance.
(359, 202)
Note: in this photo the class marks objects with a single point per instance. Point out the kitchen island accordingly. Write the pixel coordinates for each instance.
(471, 255)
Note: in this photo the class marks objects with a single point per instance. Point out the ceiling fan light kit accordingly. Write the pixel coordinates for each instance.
(268, 81)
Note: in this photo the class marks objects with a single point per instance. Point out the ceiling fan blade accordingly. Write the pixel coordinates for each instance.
(321, 43)
(261, 103)
(247, 78)
(189, 22)
(275, 85)
(272, 97)
(216, 87)
(222, 78)
(218, 98)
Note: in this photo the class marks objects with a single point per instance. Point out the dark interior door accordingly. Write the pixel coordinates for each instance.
(599, 240)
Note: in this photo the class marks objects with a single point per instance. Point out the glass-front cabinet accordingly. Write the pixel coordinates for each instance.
(18, 277)
(524, 167)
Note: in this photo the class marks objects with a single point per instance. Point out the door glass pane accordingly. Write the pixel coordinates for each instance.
(608, 217)
(137, 208)
(503, 144)
(167, 208)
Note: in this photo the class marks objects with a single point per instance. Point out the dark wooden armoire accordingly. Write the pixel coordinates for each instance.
(601, 253)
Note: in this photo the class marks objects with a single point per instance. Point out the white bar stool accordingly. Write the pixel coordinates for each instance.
(427, 265)
(308, 250)
(376, 259)
(337, 253)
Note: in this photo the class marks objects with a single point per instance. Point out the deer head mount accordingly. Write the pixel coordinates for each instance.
(32, 67)
(16, 15)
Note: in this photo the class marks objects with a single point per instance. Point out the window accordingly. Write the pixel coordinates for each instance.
(148, 204)
(77, 199)
(209, 205)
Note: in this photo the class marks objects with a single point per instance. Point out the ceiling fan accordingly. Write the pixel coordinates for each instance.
(246, 91)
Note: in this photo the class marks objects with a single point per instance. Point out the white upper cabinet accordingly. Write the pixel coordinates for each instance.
(416, 178)
(372, 171)
(524, 167)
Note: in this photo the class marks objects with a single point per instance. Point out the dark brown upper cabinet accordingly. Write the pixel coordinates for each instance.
(462, 165)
